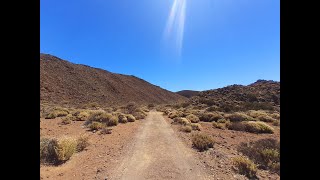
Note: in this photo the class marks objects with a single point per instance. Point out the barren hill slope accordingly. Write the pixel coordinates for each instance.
(64, 82)
(188, 93)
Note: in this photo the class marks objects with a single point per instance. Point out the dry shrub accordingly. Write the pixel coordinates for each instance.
(94, 126)
(276, 123)
(209, 117)
(62, 149)
(139, 114)
(102, 116)
(186, 129)
(130, 118)
(82, 142)
(238, 116)
(180, 120)
(105, 131)
(264, 152)
(193, 118)
(122, 118)
(222, 121)
(131, 108)
(82, 116)
(275, 116)
(173, 114)
(245, 167)
(44, 151)
(57, 112)
(196, 126)
(251, 126)
(258, 127)
(218, 125)
(202, 142)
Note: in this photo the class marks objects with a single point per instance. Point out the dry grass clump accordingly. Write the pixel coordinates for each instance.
(95, 126)
(103, 117)
(130, 118)
(245, 167)
(180, 120)
(275, 116)
(222, 121)
(264, 152)
(239, 116)
(57, 112)
(202, 142)
(196, 126)
(82, 116)
(122, 118)
(139, 114)
(251, 126)
(218, 125)
(209, 117)
(261, 115)
(186, 129)
(276, 123)
(82, 142)
(68, 119)
(193, 118)
(173, 114)
(63, 148)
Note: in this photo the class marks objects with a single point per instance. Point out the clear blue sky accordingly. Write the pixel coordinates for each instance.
(223, 42)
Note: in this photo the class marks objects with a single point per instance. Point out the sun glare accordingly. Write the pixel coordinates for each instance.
(175, 24)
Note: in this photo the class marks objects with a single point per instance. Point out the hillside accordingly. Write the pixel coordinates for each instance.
(188, 93)
(262, 94)
(64, 82)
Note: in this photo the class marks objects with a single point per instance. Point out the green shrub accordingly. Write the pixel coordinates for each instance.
(196, 126)
(193, 118)
(264, 152)
(209, 117)
(245, 167)
(202, 142)
(186, 129)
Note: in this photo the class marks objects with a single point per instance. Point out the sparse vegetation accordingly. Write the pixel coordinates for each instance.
(57, 112)
(245, 167)
(105, 131)
(202, 142)
(264, 152)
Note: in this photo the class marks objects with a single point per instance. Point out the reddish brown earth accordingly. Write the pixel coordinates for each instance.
(217, 160)
(62, 82)
(100, 157)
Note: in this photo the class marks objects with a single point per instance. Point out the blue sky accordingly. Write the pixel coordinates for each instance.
(222, 42)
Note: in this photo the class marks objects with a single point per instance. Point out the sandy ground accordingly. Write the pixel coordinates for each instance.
(157, 153)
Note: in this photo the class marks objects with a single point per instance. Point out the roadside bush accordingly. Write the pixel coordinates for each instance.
(245, 167)
(193, 118)
(250, 126)
(202, 142)
(264, 152)
(62, 149)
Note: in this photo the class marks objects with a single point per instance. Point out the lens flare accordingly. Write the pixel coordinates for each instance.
(175, 24)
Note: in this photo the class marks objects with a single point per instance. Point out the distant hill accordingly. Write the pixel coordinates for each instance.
(64, 82)
(188, 93)
(262, 94)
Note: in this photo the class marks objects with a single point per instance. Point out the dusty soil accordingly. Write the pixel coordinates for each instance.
(98, 159)
(217, 160)
(157, 153)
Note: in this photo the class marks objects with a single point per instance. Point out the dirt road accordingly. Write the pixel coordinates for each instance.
(157, 153)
